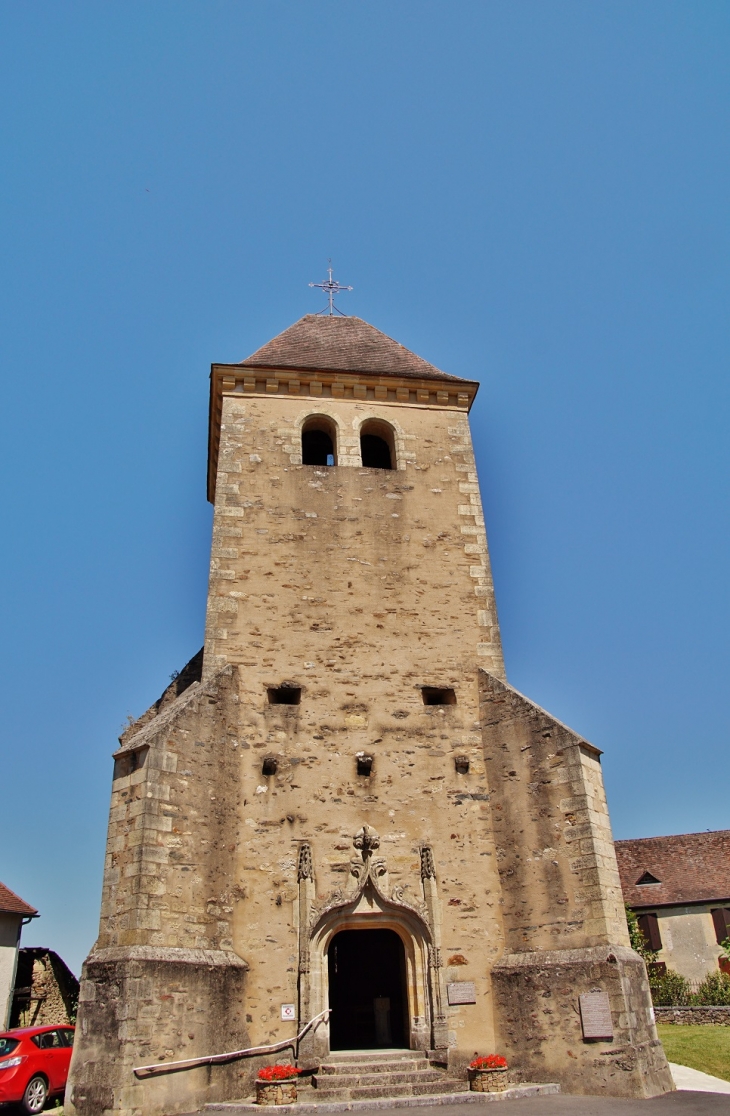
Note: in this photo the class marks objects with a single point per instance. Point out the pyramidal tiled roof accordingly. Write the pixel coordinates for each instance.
(332, 344)
(10, 903)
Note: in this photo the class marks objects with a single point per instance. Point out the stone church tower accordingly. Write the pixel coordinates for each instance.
(341, 802)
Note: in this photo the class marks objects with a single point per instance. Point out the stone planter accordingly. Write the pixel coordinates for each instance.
(488, 1080)
(277, 1092)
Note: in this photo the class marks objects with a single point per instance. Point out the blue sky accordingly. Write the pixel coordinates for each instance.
(533, 194)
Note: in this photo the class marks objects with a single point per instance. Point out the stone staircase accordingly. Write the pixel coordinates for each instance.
(373, 1074)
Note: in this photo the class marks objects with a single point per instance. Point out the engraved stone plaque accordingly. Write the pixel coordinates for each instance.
(595, 1015)
(462, 992)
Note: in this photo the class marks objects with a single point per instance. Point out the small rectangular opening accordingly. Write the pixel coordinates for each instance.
(364, 764)
(437, 695)
(269, 766)
(284, 695)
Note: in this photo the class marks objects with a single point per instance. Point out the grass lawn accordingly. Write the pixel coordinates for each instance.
(705, 1048)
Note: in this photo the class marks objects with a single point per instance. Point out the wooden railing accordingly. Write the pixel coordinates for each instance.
(233, 1055)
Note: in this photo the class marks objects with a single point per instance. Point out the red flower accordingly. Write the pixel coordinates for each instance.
(277, 1073)
(491, 1061)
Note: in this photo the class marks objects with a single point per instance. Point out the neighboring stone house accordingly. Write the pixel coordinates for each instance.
(680, 889)
(345, 805)
(14, 913)
(46, 991)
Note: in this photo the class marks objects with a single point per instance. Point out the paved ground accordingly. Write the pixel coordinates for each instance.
(673, 1104)
(686, 1078)
(681, 1103)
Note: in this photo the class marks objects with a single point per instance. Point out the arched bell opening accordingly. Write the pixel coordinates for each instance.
(319, 441)
(377, 445)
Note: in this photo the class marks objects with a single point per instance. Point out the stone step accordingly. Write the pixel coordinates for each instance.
(380, 1054)
(376, 1090)
(345, 1069)
(307, 1107)
(389, 1077)
(445, 1085)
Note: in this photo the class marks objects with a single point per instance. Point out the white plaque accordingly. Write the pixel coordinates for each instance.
(288, 1011)
(462, 992)
(595, 1015)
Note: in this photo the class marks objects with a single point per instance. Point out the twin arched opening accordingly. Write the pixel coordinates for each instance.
(319, 443)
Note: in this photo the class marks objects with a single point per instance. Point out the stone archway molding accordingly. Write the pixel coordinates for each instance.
(369, 906)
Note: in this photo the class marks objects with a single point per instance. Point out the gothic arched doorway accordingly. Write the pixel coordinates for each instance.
(367, 990)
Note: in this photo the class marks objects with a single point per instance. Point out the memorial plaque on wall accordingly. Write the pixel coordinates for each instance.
(595, 1015)
(462, 992)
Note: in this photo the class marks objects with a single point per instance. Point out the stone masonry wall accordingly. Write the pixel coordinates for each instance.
(347, 559)
(557, 862)
(564, 923)
(163, 981)
(359, 587)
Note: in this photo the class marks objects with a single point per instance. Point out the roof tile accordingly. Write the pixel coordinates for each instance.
(10, 903)
(332, 344)
(690, 868)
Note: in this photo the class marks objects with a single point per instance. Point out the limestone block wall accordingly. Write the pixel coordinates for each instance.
(564, 923)
(551, 825)
(317, 569)
(172, 826)
(539, 1023)
(163, 981)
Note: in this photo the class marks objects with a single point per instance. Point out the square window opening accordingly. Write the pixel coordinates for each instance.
(284, 695)
(436, 695)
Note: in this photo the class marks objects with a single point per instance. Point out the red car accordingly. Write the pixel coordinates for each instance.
(34, 1065)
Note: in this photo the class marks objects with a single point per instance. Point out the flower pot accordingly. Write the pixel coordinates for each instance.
(277, 1092)
(488, 1080)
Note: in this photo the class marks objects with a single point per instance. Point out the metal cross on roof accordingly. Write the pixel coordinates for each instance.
(331, 288)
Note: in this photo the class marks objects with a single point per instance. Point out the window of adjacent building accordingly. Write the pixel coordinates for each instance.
(647, 878)
(319, 441)
(721, 921)
(377, 445)
(649, 926)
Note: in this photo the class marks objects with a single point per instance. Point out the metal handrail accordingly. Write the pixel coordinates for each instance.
(233, 1055)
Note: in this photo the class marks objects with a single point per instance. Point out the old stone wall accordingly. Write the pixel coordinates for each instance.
(141, 1005)
(46, 991)
(348, 560)
(551, 826)
(539, 1022)
(564, 924)
(163, 980)
(690, 1015)
(239, 824)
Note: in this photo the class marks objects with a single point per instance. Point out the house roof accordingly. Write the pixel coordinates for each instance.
(10, 903)
(689, 868)
(332, 344)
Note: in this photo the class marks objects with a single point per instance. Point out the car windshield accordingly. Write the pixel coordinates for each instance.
(7, 1045)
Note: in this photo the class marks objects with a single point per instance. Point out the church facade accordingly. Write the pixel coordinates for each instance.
(341, 803)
